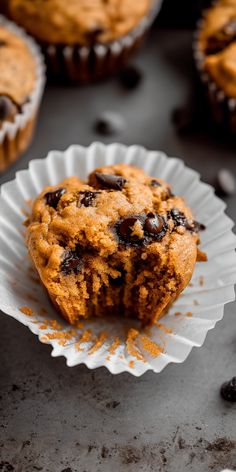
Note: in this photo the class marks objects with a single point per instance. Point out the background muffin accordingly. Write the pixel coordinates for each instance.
(84, 40)
(215, 53)
(21, 83)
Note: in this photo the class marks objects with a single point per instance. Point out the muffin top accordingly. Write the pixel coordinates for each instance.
(17, 74)
(217, 41)
(78, 21)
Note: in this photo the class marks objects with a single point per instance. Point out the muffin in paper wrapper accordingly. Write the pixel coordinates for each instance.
(118, 344)
(222, 107)
(16, 136)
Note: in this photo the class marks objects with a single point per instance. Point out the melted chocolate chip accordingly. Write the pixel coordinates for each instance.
(119, 280)
(154, 228)
(7, 108)
(178, 217)
(2, 43)
(53, 198)
(88, 198)
(228, 390)
(93, 33)
(114, 182)
(72, 262)
(125, 230)
(155, 183)
(221, 38)
(154, 224)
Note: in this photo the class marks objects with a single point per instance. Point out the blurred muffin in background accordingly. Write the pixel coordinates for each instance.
(21, 86)
(85, 40)
(215, 55)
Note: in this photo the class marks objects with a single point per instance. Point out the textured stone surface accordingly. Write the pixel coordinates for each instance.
(55, 418)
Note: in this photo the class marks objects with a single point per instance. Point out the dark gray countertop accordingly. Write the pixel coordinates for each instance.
(55, 418)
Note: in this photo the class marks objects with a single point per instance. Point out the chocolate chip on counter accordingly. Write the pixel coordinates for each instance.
(115, 182)
(154, 224)
(178, 217)
(125, 230)
(53, 198)
(7, 108)
(72, 261)
(130, 77)
(88, 198)
(109, 123)
(228, 390)
(155, 183)
(225, 184)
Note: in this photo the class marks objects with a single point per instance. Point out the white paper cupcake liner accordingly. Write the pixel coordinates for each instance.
(222, 107)
(9, 131)
(95, 343)
(91, 63)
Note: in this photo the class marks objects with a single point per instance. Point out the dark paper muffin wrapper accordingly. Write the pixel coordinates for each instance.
(86, 64)
(16, 136)
(222, 107)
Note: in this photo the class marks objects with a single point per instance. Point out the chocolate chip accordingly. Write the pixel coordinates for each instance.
(93, 33)
(225, 183)
(111, 181)
(109, 123)
(72, 261)
(2, 43)
(155, 183)
(118, 280)
(228, 390)
(198, 226)
(125, 230)
(7, 108)
(178, 217)
(53, 198)
(88, 198)
(221, 38)
(130, 77)
(183, 118)
(154, 224)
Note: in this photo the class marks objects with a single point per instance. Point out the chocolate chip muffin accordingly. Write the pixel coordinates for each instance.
(216, 59)
(119, 244)
(71, 31)
(19, 82)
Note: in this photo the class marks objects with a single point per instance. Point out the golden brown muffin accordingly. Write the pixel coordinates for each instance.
(78, 21)
(17, 74)
(217, 42)
(120, 244)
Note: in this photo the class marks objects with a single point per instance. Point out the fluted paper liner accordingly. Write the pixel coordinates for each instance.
(100, 342)
(15, 136)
